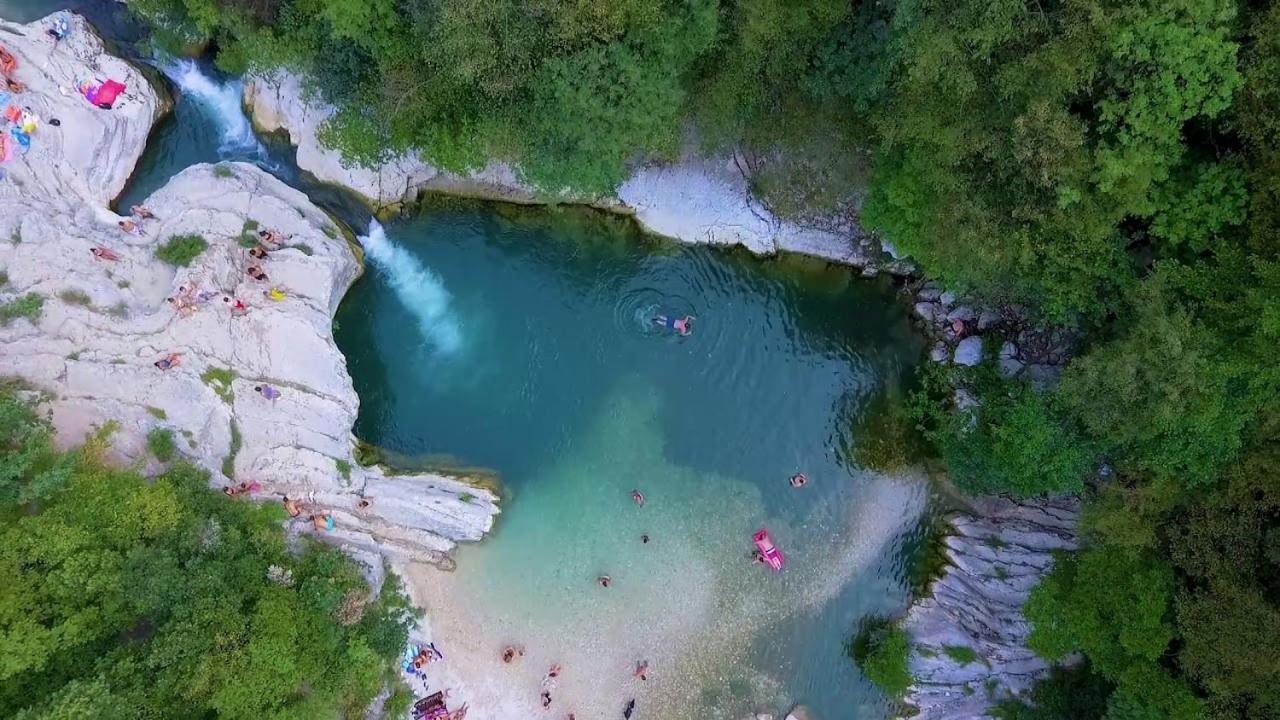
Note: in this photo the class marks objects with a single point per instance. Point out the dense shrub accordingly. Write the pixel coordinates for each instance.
(180, 250)
(174, 601)
(880, 648)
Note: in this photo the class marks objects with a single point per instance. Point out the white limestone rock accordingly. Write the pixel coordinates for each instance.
(83, 162)
(96, 360)
(968, 351)
(696, 200)
(997, 554)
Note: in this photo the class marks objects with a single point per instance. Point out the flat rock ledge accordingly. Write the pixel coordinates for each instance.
(996, 556)
(104, 323)
(696, 200)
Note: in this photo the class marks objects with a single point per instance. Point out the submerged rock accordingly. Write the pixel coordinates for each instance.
(105, 322)
(997, 554)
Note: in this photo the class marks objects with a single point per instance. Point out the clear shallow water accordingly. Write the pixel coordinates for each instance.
(526, 345)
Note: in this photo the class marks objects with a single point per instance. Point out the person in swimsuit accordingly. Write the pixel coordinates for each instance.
(680, 325)
(639, 498)
(644, 538)
(258, 253)
(293, 507)
(798, 480)
(130, 227)
(546, 699)
(604, 581)
(170, 361)
(102, 253)
(642, 670)
(266, 391)
(141, 213)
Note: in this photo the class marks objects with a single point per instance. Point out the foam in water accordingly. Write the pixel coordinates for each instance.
(420, 289)
(223, 99)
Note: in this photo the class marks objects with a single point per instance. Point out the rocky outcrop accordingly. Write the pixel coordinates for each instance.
(83, 152)
(696, 200)
(969, 634)
(106, 322)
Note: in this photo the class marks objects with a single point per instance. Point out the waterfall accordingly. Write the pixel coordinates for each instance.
(420, 289)
(223, 99)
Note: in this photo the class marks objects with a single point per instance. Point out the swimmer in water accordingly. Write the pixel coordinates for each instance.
(680, 325)
(638, 497)
(798, 480)
(630, 708)
(604, 581)
(644, 538)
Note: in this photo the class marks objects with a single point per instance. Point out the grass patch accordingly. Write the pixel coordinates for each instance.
(229, 462)
(344, 468)
(75, 355)
(926, 552)
(880, 649)
(4, 278)
(466, 497)
(304, 248)
(28, 306)
(122, 284)
(160, 444)
(330, 232)
(366, 454)
(119, 310)
(180, 250)
(223, 171)
(157, 413)
(15, 237)
(250, 225)
(74, 296)
(962, 654)
(220, 379)
(995, 542)
(1002, 573)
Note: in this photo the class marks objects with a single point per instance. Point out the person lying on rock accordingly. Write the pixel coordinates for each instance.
(130, 227)
(102, 253)
(293, 507)
(256, 273)
(267, 391)
(270, 239)
(170, 361)
(141, 213)
(322, 521)
(258, 252)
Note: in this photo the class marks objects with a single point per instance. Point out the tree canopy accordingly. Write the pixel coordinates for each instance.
(133, 598)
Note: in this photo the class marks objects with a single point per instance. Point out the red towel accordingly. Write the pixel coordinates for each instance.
(106, 95)
(13, 114)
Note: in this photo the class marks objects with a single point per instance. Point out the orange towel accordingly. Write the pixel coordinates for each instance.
(13, 114)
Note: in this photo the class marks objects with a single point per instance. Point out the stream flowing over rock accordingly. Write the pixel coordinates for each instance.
(105, 323)
(997, 554)
(696, 200)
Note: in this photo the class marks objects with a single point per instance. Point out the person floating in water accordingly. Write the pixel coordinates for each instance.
(638, 497)
(604, 581)
(798, 480)
(644, 538)
(680, 325)
(642, 670)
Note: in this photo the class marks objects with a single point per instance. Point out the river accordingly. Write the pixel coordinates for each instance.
(524, 341)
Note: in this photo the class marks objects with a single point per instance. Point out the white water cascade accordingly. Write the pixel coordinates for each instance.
(420, 289)
(223, 99)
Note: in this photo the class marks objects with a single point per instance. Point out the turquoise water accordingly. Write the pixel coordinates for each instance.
(522, 341)
(526, 345)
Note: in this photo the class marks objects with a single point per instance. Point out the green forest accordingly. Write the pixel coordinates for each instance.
(1110, 166)
(128, 598)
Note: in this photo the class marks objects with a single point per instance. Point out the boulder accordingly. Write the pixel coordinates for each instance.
(947, 298)
(987, 319)
(928, 311)
(969, 351)
(929, 292)
(799, 712)
(1010, 367)
(939, 352)
(1008, 350)
(963, 313)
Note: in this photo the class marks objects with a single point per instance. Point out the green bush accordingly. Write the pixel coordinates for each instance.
(881, 648)
(180, 250)
(28, 306)
(962, 654)
(229, 618)
(161, 445)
